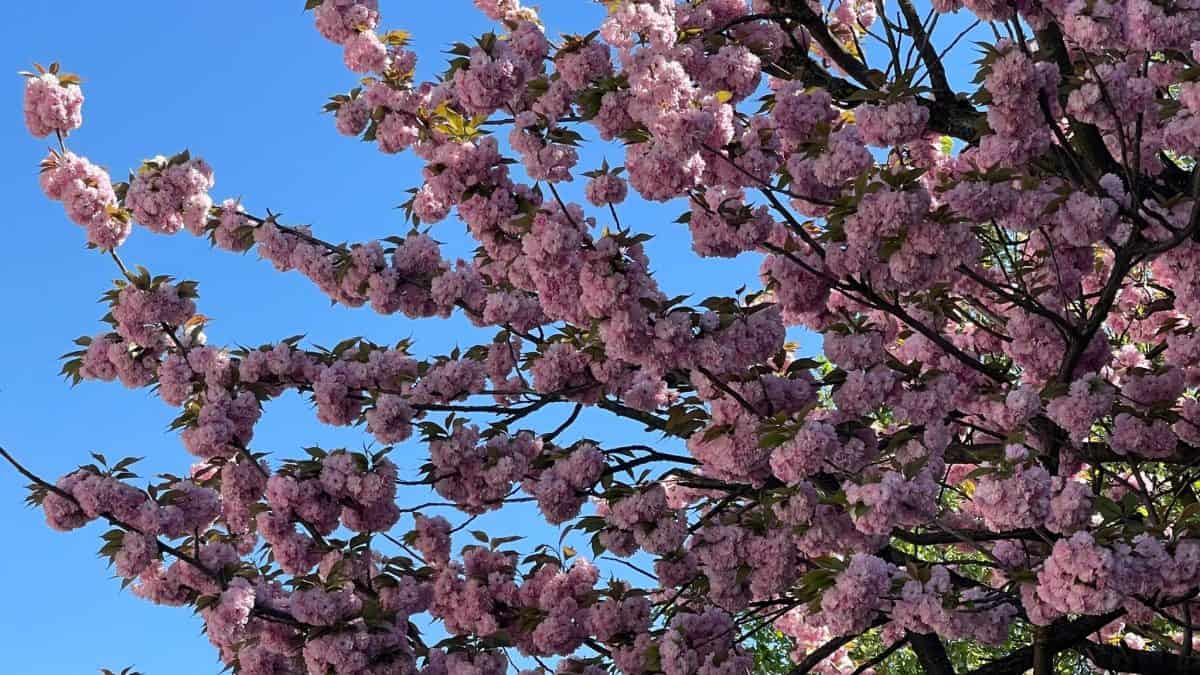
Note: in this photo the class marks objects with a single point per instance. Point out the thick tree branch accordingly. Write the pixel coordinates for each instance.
(819, 654)
(931, 653)
(1063, 635)
(937, 71)
(1125, 660)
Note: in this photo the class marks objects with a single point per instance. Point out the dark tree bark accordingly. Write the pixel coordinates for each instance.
(1125, 660)
(931, 653)
(1059, 636)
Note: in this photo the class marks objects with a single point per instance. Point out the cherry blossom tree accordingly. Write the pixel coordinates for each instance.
(992, 468)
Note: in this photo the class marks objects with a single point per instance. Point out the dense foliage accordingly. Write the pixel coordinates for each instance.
(993, 467)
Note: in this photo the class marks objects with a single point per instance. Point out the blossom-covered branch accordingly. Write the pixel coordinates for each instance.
(998, 447)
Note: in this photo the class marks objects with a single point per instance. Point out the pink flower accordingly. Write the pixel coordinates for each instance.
(87, 194)
(606, 189)
(339, 20)
(891, 124)
(365, 53)
(167, 195)
(52, 105)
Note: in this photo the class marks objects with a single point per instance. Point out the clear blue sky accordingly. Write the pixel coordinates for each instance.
(241, 84)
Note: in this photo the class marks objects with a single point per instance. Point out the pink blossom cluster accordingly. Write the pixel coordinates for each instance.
(1087, 401)
(52, 104)
(108, 357)
(1012, 500)
(340, 20)
(723, 225)
(562, 489)
(168, 195)
(606, 189)
(1080, 577)
(702, 643)
(807, 637)
(477, 473)
(1018, 86)
(891, 124)
(367, 496)
(142, 314)
(642, 520)
(857, 596)
(87, 194)
(806, 453)
(893, 500)
(741, 566)
(929, 606)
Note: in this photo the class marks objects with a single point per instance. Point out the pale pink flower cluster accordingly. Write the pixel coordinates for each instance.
(1149, 389)
(582, 66)
(390, 420)
(501, 10)
(242, 485)
(365, 53)
(82, 496)
(450, 380)
(802, 293)
(86, 192)
(108, 357)
(142, 315)
(169, 195)
(467, 595)
(892, 501)
(743, 566)
(1070, 507)
(475, 475)
(360, 650)
(319, 607)
(857, 596)
(702, 643)
(367, 496)
(1089, 399)
(799, 114)
(1146, 438)
(226, 621)
(491, 79)
(1080, 577)
(807, 636)
(433, 539)
(723, 225)
(891, 124)
(189, 509)
(654, 21)
(853, 351)
(561, 598)
(562, 489)
(929, 606)
(606, 189)
(1016, 84)
(562, 369)
(1012, 500)
(806, 453)
(52, 106)
(223, 425)
(642, 520)
(340, 20)
(543, 160)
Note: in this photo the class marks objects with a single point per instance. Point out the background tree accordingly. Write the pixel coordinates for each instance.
(992, 468)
